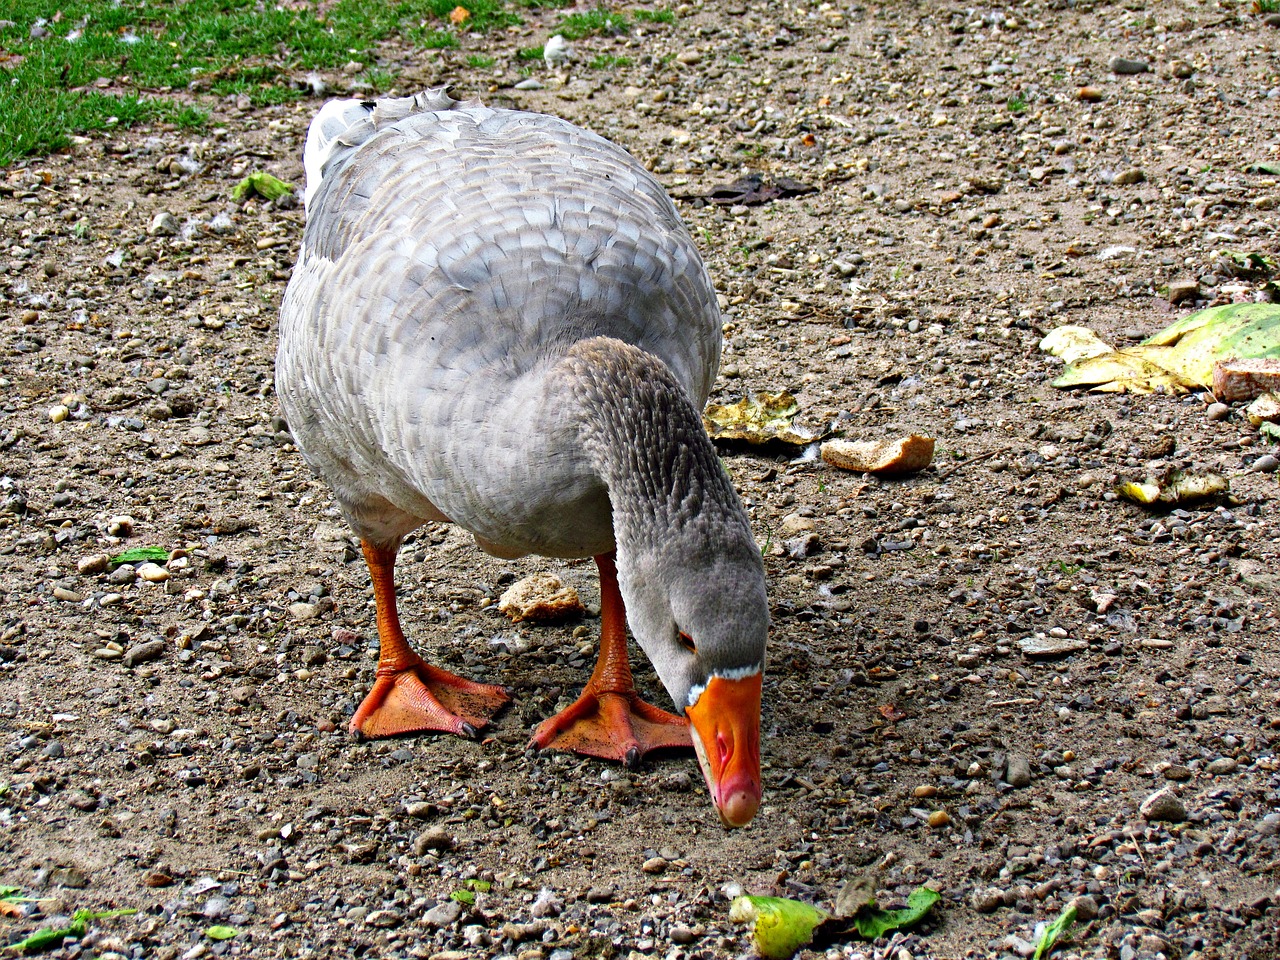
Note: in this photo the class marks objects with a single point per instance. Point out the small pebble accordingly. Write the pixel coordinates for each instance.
(1126, 67)
(1267, 463)
(987, 901)
(436, 838)
(939, 819)
(1086, 908)
(1222, 767)
(1018, 771)
(1217, 411)
(1163, 806)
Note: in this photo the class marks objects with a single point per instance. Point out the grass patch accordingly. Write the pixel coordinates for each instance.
(97, 65)
(479, 62)
(596, 22)
(655, 16)
(529, 53)
(1017, 104)
(607, 61)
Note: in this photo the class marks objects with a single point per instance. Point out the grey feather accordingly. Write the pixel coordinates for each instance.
(480, 297)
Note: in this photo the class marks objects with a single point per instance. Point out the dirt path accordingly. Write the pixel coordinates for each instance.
(178, 745)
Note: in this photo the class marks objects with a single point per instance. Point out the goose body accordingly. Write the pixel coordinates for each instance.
(498, 319)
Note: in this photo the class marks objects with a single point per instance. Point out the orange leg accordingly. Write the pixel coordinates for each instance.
(610, 720)
(409, 694)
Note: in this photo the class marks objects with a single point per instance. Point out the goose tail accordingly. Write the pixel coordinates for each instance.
(342, 126)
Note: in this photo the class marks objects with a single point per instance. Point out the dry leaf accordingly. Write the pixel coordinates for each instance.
(459, 15)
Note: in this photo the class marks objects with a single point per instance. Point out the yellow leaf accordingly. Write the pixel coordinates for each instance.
(459, 15)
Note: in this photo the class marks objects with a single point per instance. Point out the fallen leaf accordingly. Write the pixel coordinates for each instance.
(261, 183)
(1179, 487)
(872, 922)
(891, 713)
(463, 896)
(1179, 358)
(139, 555)
(782, 926)
(1073, 344)
(1054, 931)
(221, 932)
(459, 15)
(1265, 409)
(763, 418)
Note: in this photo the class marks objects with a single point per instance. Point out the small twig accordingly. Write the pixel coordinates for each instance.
(965, 463)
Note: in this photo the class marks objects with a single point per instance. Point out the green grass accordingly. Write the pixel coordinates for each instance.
(607, 61)
(480, 63)
(1017, 104)
(100, 65)
(529, 53)
(594, 22)
(151, 48)
(1267, 6)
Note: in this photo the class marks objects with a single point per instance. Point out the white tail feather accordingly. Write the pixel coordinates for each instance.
(343, 125)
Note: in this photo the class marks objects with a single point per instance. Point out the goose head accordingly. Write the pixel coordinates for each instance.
(697, 606)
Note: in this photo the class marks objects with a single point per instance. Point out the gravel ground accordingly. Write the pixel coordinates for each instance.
(174, 736)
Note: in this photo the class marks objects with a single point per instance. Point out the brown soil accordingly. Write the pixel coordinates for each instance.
(969, 200)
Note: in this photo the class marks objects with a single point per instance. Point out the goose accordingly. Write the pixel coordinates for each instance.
(498, 319)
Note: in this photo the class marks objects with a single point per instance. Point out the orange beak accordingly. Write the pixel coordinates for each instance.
(726, 728)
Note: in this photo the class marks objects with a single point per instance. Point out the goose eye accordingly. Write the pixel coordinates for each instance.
(686, 641)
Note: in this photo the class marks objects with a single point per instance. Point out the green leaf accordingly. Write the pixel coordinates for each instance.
(1269, 168)
(782, 926)
(82, 918)
(139, 555)
(480, 886)
(1270, 432)
(261, 183)
(48, 938)
(221, 932)
(872, 922)
(463, 896)
(10, 893)
(1055, 930)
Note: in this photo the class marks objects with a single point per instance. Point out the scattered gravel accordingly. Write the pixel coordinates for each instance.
(981, 677)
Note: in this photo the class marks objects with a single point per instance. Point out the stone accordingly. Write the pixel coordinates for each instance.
(436, 838)
(1163, 806)
(1181, 291)
(1039, 645)
(164, 224)
(442, 914)
(1222, 767)
(143, 652)
(1126, 67)
(93, 564)
(1086, 908)
(987, 901)
(1017, 771)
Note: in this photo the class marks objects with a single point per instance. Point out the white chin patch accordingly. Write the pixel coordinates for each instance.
(737, 673)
